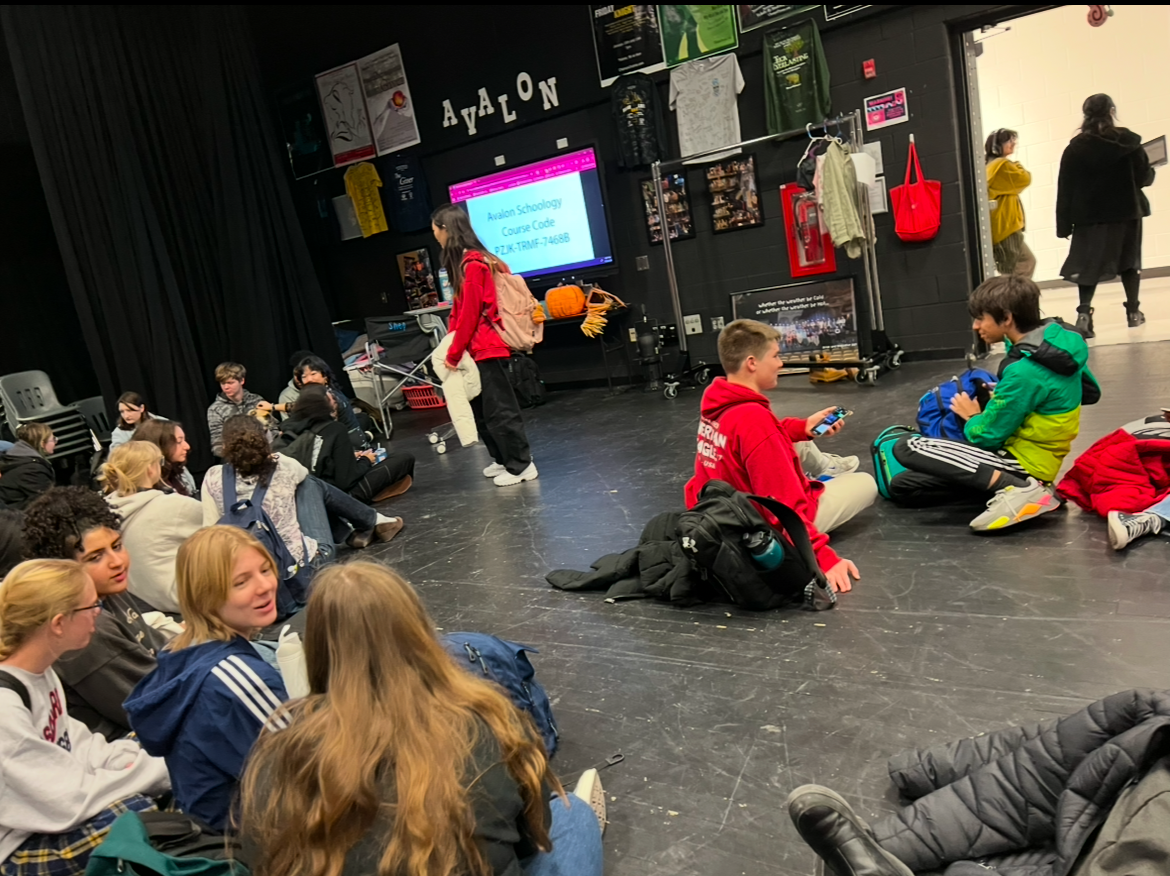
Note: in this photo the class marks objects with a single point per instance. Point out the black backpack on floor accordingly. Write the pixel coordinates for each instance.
(525, 379)
(712, 536)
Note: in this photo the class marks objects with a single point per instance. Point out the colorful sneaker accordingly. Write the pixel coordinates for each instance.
(589, 789)
(507, 479)
(835, 465)
(1013, 505)
(1124, 528)
(494, 470)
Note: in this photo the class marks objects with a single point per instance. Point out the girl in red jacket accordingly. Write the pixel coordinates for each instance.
(474, 317)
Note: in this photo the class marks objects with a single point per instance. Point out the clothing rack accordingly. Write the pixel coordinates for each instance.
(883, 354)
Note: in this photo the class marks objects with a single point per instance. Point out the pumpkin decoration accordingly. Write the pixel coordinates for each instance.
(565, 301)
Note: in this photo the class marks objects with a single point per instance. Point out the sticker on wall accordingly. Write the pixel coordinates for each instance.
(693, 32)
(883, 110)
(388, 101)
(346, 122)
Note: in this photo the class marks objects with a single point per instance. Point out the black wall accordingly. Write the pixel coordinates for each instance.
(39, 329)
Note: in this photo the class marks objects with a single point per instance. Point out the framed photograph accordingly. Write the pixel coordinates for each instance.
(735, 196)
(816, 320)
(677, 202)
(418, 280)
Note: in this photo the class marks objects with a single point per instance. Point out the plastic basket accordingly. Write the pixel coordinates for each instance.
(422, 397)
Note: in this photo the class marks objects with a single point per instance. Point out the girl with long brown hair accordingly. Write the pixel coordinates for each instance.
(400, 762)
(474, 316)
(170, 438)
(213, 693)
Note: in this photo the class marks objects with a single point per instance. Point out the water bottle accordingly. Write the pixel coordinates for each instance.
(445, 288)
(766, 550)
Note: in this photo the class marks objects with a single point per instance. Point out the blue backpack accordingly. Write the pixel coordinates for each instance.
(250, 516)
(935, 417)
(506, 663)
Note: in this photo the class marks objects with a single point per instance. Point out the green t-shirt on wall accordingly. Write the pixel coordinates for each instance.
(796, 77)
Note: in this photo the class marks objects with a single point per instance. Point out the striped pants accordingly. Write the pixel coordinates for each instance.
(955, 462)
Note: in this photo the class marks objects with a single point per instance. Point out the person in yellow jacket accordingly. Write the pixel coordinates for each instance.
(1005, 180)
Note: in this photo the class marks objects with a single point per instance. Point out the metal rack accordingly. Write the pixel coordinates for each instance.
(883, 354)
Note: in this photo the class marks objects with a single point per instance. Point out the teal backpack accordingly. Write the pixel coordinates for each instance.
(885, 467)
(128, 851)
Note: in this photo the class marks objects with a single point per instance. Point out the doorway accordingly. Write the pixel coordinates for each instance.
(1030, 75)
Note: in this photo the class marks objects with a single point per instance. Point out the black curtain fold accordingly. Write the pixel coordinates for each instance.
(169, 198)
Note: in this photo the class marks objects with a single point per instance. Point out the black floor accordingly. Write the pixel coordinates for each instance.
(720, 713)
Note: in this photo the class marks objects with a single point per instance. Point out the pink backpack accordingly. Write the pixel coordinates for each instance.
(516, 307)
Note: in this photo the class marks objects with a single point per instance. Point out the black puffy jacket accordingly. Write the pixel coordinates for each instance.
(1040, 790)
(1101, 180)
(24, 475)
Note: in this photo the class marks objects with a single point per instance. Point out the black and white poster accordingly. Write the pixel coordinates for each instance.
(751, 17)
(814, 319)
(626, 39)
(346, 122)
(388, 101)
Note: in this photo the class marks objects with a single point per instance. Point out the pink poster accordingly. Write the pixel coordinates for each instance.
(883, 110)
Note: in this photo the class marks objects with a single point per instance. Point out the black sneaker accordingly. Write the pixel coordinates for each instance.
(1124, 528)
(839, 835)
(1134, 318)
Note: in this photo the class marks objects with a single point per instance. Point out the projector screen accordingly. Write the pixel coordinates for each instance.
(544, 218)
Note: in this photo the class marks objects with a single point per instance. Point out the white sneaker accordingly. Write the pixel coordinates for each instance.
(589, 789)
(494, 470)
(1124, 528)
(507, 479)
(835, 465)
(1013, 505)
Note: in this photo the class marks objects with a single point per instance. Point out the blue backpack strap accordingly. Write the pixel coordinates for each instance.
(229, 486)
(259, 493)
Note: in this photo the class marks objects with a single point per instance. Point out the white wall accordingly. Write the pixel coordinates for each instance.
(1034, 78)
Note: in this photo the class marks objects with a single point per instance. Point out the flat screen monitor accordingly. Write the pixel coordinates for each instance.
(544, 219)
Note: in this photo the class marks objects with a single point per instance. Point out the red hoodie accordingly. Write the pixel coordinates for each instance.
(473, 313)
(744, 444)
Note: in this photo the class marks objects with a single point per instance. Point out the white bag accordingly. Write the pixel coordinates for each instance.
(290, 657)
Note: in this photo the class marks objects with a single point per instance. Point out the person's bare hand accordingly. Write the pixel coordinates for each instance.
(965, 406)
(839, 576)
(815, 420)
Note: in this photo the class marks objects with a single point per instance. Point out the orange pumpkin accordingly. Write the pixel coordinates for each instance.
(565, 301)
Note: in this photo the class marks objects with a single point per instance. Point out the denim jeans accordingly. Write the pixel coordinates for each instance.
(576, 843)
(328, 515)
(1162, 509)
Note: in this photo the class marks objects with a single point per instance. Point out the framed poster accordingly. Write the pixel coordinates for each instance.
(387, 94)
(693, 32)
(677, 203)
(883, 110)
(814, 319)
(418, 280)
(303, 129)
(751, 17)
(735, 197)
(625, 40)
(347, 124)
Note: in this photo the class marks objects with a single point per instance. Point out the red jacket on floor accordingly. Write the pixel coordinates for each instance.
(744, 444)
(474, 313)
(1119, 473)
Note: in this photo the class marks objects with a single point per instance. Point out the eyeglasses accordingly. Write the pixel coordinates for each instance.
(96, 606)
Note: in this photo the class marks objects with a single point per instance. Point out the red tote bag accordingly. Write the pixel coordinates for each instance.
(918, 204)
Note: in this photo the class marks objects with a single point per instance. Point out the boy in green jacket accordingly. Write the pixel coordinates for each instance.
(1015, 446)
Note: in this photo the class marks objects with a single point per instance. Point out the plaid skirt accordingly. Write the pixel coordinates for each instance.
(66, 854)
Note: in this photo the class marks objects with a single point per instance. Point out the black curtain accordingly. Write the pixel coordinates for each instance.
(166, 185)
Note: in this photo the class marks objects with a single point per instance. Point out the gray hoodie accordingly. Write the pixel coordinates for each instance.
(223, 409)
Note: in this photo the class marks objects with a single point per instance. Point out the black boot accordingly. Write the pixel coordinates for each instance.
(1134, 317)
(835, 832)
(1085, 321)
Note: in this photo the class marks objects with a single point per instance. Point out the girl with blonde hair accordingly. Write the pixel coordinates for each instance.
(399, 761)
(63, 785)
(155, 520)
(213, 694)
(25, 470)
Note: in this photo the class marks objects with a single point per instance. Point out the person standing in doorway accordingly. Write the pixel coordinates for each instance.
(1006, 179)
(1100, 203)
(474, 318)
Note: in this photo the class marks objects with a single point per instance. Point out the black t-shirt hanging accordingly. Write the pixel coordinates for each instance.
(637, 113)
(796, 77)
(408, 203)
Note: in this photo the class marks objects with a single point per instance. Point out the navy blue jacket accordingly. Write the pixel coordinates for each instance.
(202, 709)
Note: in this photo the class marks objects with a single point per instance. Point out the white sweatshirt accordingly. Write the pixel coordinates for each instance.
(154, 526)
(54, 774)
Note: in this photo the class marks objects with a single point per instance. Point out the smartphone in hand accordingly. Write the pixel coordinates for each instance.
(827, 423)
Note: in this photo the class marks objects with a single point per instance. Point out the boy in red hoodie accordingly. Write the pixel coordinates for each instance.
(744, 444)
